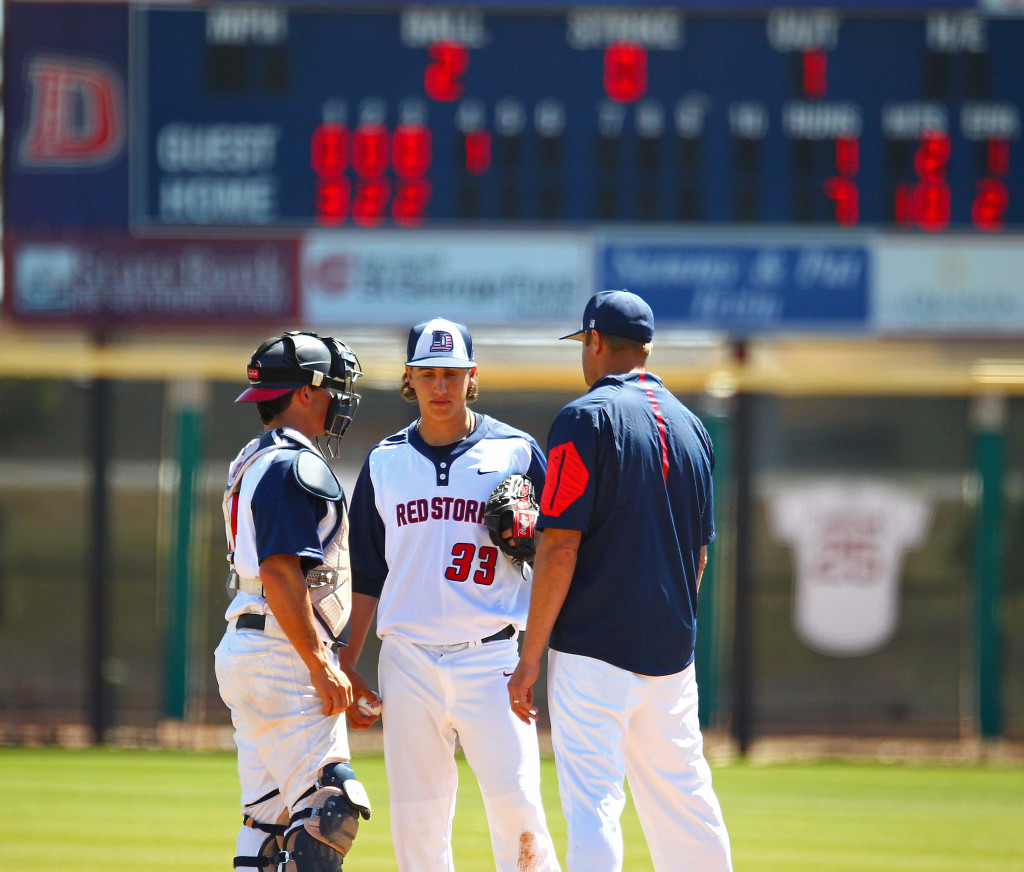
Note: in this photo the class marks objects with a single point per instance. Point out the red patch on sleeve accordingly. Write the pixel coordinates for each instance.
(566, 479)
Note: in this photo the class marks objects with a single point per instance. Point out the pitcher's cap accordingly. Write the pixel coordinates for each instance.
(619, 313)
(440, 342)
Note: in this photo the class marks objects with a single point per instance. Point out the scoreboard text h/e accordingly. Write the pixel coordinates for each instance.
(421, 116)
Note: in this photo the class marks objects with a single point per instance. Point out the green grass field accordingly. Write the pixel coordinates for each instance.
(101, 810)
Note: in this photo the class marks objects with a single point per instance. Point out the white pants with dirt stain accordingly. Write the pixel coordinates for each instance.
(433, 694)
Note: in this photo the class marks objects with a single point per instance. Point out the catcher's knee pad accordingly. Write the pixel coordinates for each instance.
(332, 820)
(304, 852)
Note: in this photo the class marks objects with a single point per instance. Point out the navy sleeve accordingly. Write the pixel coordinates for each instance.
(366, 537)
(571, 479)
(285, 517)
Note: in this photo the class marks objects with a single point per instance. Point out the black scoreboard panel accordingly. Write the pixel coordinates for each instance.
(434, 116)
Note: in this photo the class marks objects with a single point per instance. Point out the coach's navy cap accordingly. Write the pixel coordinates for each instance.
(619, 313)
(440, 342)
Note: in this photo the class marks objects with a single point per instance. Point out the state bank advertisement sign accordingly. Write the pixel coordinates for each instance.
(113, 279)
(482, 278)
(745, 285)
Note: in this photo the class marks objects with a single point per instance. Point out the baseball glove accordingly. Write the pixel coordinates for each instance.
(513, 506)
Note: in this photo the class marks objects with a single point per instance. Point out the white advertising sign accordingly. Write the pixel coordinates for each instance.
(848, 539)
(953, 286)
(477, 278)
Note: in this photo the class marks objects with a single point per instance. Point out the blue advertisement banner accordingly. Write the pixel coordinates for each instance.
(745, 287)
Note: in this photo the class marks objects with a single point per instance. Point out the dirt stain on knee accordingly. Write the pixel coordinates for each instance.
(527, 852)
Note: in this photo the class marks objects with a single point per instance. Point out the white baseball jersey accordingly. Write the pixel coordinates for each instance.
(418, 540)
(849, 538)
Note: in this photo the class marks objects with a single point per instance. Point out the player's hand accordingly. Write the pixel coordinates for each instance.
(333, 687)
(358, 719)
(520, 691)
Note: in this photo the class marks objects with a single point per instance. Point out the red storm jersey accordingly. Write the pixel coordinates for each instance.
(418, 540)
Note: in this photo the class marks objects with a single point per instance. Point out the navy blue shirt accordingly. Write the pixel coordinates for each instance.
(629, 466)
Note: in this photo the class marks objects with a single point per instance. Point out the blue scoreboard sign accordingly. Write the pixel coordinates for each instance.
(155, 150)
(288, 116)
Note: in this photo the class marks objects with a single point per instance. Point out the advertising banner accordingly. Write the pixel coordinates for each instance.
(745, 286)
(480, 278)
(111, 280)
(965, 287)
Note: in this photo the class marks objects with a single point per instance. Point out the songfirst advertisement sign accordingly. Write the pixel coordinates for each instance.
(482, 278)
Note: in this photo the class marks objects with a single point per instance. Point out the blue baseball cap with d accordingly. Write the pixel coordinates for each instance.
(440, 342)
(619, 313)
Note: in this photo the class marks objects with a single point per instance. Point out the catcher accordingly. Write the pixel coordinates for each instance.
(427, 516)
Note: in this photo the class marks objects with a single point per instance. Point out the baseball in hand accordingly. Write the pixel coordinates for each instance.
(368, 708)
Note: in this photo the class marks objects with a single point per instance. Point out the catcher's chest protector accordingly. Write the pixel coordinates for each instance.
(330, 583)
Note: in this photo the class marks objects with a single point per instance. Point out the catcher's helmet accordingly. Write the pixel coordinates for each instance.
(297, 358)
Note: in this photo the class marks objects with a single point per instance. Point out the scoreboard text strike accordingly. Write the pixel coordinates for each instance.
(262, 116)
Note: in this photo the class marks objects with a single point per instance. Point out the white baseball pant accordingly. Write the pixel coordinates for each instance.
(283, 737)
(433, 693)
(607, 724)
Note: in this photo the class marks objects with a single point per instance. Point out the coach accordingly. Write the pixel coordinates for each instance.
(627, 518)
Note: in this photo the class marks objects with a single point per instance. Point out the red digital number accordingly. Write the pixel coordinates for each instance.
(844, 193)
(927, 202)
(410, 203)
(990, 204)
(847, 156)
(625, 71)
(449, 61)
(370, 150)
(410, 151)
(815, 74)
(478, 152)
(329, 150)
(332, 201)
(932, 205)
(932, 155)
(370, 202)
(462, 563)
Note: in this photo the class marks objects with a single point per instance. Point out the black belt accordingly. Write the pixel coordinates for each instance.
(251, 621)
(504, 633)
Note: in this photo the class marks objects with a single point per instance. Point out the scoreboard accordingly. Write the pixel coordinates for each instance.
(275, 116)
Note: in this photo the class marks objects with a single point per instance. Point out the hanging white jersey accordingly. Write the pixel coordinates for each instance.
(850, 539)
(418, 540)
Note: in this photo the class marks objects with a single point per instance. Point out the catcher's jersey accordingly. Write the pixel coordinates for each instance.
(418, 540)
(274, 515)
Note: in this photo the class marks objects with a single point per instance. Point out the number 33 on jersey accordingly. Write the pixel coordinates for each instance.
(417, 515)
